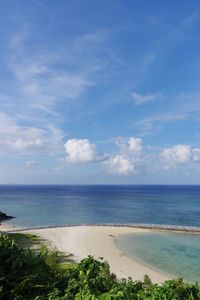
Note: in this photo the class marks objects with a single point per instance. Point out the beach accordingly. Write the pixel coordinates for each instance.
(6, 228)
(99, 241)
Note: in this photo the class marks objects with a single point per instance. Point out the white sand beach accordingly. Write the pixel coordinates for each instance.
(4, 227)
(98, 241)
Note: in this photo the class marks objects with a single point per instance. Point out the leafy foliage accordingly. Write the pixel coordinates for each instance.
(31, 275)
(26, 240)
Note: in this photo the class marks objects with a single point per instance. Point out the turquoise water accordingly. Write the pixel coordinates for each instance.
(174, 253)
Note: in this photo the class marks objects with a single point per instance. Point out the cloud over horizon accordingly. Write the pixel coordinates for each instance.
(80, 150)
(180, 155)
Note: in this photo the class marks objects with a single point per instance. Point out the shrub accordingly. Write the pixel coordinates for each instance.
(27, 275)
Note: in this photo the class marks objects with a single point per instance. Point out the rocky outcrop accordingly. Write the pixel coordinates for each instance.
(4, 217)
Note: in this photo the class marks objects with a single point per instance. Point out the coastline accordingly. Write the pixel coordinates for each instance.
(5, 227)
(99, 241)
(154, 227)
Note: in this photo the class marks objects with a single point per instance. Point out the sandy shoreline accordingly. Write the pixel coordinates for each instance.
(98, 241)
(5, 227)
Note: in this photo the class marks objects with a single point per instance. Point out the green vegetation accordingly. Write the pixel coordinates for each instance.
(27, 275)
(26, 240)
(53, 257)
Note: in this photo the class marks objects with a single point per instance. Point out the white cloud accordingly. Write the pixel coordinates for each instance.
(128, 158)
(139, 99)
(180, 155)
(135, 145)
(196, 154)
(154, 124)
(15, 137)
(44, 86)
(80, 150)
(161, 118)
(119, 164)
(125, 162)
(131, 146)
(39, 83)
(44, 78)
(19, 139)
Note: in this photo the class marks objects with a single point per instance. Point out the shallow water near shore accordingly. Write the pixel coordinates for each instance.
(174, 253)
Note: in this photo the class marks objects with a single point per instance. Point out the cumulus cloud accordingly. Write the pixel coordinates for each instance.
(80, 150)
(124, 162)
(128, 158)
(139, 99)
(120, 164)
(131, 145)
(135, 145)
(180, 155)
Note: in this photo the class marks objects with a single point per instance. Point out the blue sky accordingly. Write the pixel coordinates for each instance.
(100, 92)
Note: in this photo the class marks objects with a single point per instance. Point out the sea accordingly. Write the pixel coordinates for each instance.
(58, 205)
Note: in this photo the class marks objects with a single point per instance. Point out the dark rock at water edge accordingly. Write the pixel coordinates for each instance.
(4, 217)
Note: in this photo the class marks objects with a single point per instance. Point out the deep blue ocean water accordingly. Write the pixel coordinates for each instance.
(59, 205)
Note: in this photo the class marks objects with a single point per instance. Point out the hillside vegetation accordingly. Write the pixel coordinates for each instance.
(27, 275)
